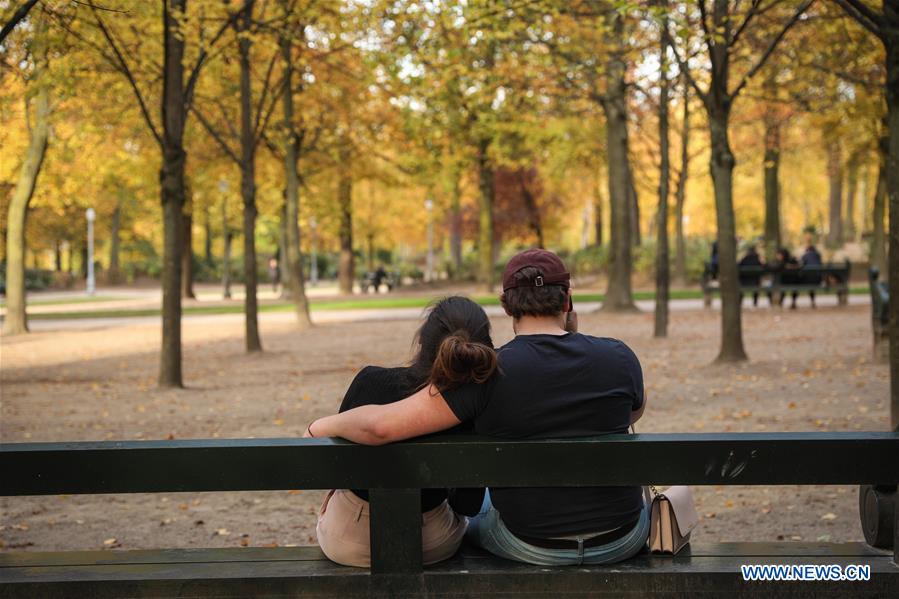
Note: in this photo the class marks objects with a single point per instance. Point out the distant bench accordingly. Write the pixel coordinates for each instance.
(832, 277)
(396, 473)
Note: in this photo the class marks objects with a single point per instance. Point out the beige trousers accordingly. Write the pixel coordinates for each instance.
(343, 530)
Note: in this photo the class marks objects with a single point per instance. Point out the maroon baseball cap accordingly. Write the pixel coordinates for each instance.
(552, 270)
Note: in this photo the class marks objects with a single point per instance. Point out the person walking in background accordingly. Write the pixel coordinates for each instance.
(274, 273)
(753, 278)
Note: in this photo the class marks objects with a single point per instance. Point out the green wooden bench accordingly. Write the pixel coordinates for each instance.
(396, 473)
(825, 278)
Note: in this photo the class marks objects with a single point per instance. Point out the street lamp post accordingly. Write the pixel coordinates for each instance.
(429, 267)
(313, 270)
(91, 284)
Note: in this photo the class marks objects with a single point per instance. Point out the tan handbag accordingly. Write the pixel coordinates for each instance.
(672, 517)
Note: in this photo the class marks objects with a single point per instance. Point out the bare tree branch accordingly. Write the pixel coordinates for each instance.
(126, 71)
(201, 60)
(866, 17)
(20, 14)
(771, 47)
(215, 135)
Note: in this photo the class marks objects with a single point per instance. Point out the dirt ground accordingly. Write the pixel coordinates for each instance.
(810, 370)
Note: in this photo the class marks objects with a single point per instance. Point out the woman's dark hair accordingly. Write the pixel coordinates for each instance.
(546, 300)
(454, 345)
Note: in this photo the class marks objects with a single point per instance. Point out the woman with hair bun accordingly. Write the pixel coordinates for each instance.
(453, 347)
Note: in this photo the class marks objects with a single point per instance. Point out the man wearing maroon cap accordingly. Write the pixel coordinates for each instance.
(551, 382)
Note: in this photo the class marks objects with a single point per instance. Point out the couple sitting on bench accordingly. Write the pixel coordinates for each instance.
(548, 382)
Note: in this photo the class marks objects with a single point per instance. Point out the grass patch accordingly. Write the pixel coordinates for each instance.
(86, 299)
(374, 303)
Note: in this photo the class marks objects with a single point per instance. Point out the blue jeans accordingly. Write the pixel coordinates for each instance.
(487, 530)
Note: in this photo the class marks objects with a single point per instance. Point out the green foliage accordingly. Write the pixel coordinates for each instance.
(36, 279)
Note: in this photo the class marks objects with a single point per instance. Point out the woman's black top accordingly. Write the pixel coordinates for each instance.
(375, 385)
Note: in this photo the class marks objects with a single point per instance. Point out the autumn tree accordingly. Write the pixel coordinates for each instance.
(663, 272)
(587, 43)
(118, 38)
(288, 34)
(254, 113)
(884, 24)
(39, 92)
(723, 29)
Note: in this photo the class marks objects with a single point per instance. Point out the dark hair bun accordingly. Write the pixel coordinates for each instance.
(460, 360)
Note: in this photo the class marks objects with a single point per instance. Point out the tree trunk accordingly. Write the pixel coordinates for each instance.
(347, 267)
(282, 254)
(722, 167)
(663, 274)
(851, 191)
(226, 252)
(619, 296)
(680, 193)
(598, 212)
(207, 236)
(634, 204)
(187, 254)
(863, 200)
(891, 43)
(248, 183)
(772, 186)
(57, 256)
(486, 199)
(83, 270)
(16, 320)
(115, 273)
(171, 178)
(835, 183)
(533, 210)
(878, 237)
(455, 215)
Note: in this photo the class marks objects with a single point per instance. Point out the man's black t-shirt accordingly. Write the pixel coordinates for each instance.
(558, 386)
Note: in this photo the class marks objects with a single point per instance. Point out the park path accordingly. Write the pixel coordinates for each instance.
(374, 314)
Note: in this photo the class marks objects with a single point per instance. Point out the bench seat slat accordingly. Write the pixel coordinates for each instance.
(470, 574)
(19, 559)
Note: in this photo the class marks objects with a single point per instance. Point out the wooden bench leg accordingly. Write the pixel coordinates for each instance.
(395, 531)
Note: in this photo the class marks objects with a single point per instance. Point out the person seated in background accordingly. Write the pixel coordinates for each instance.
(754, 276)
(454, 348)
(379, 277)
(787, 267)
(811, 257)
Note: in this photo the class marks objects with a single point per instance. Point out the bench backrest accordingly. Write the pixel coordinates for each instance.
(396, 473)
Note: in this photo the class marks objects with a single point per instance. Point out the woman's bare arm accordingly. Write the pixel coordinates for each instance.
(419, 414)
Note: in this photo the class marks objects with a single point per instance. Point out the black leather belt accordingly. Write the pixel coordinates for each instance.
(600, 539)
